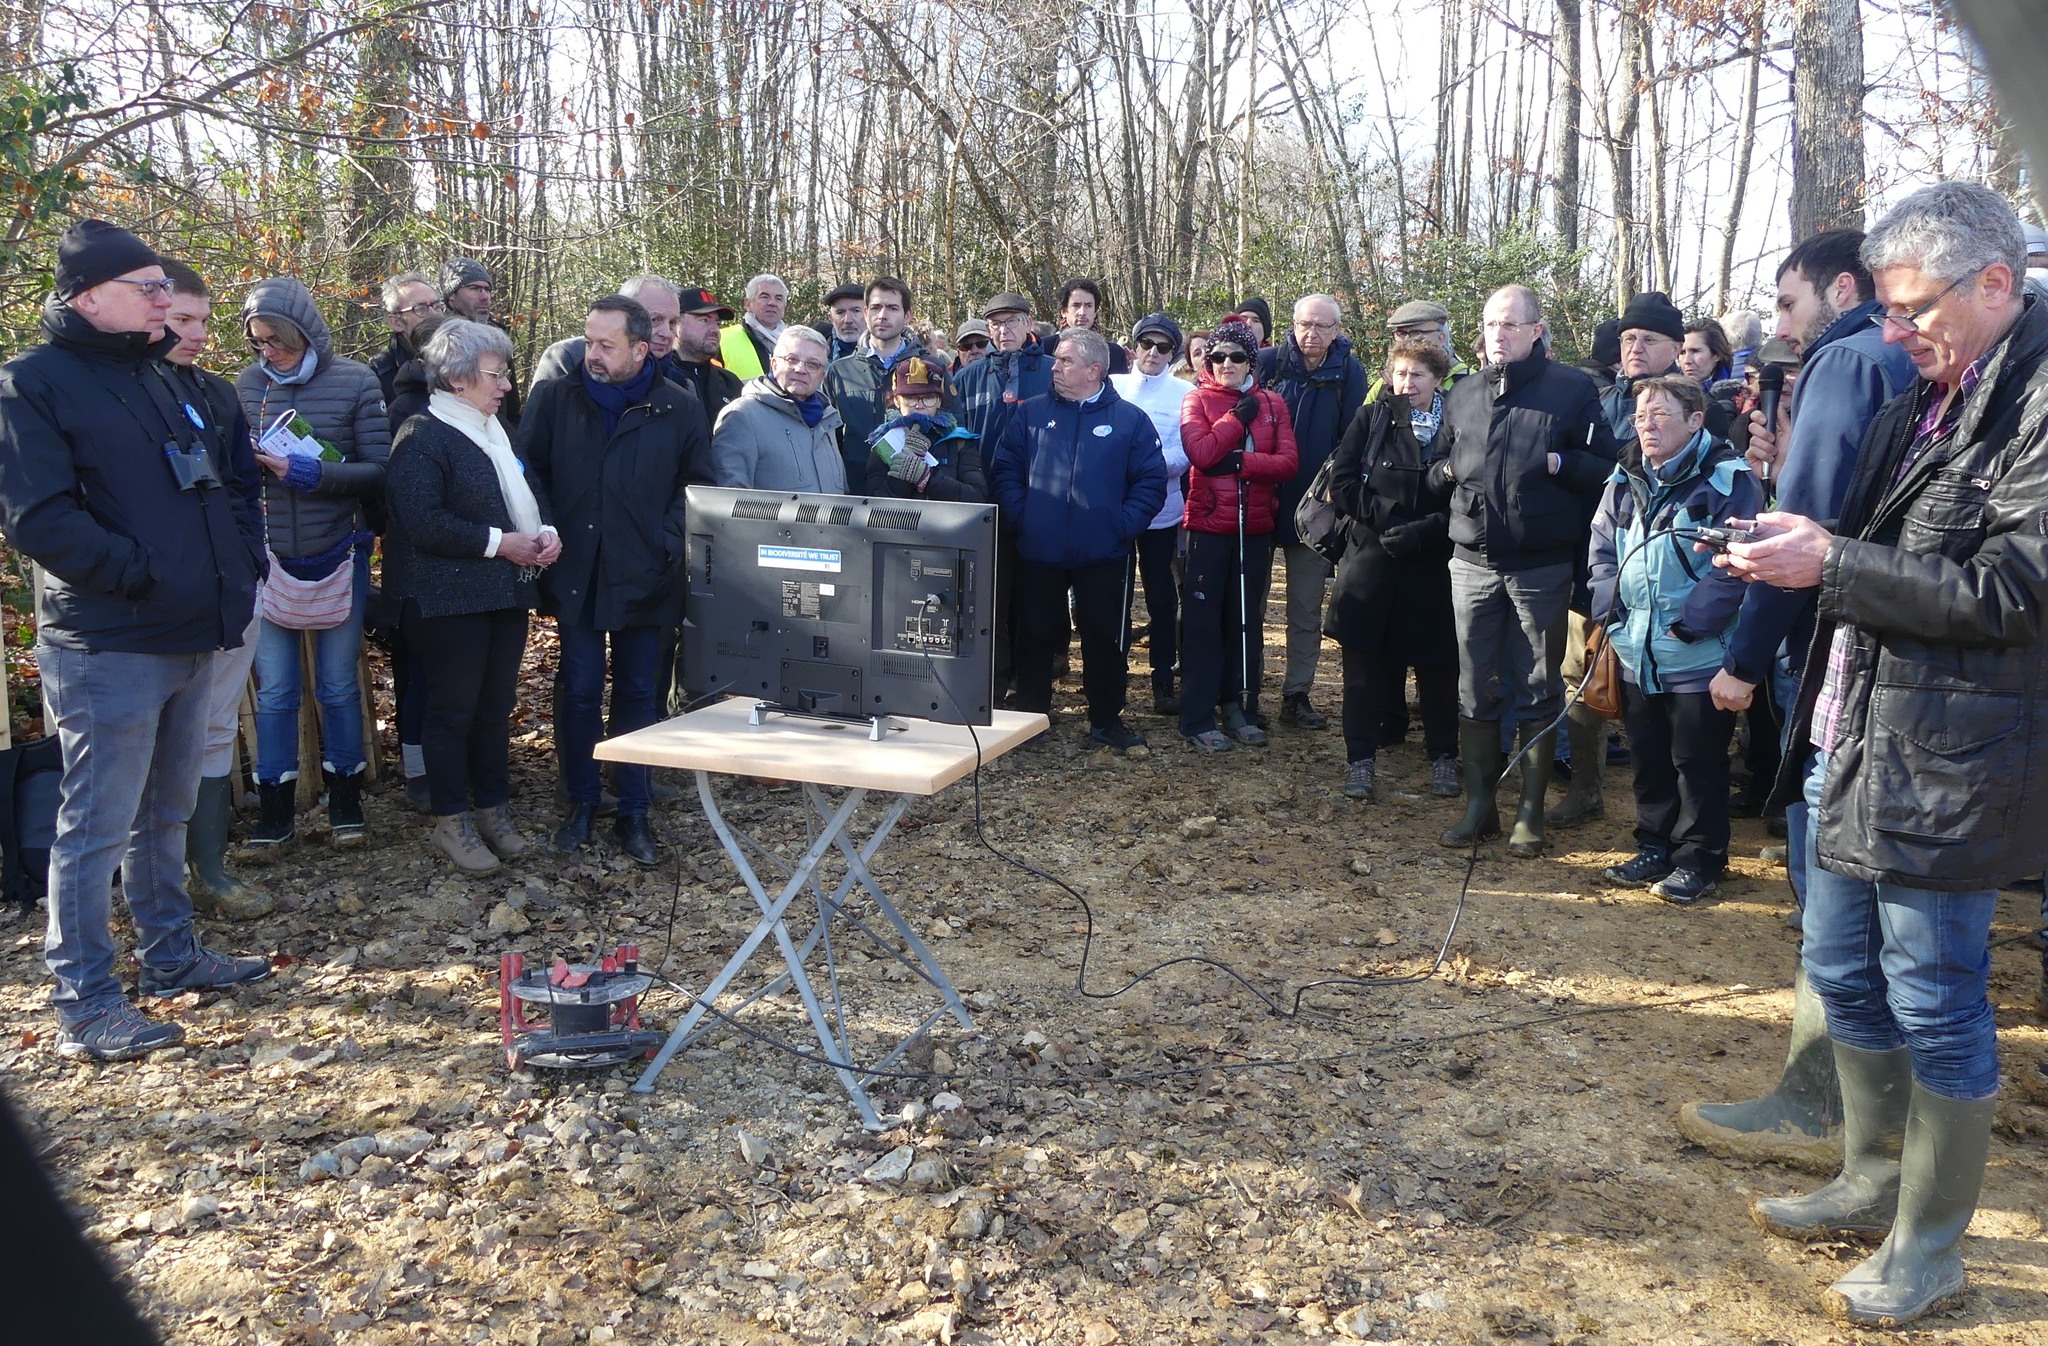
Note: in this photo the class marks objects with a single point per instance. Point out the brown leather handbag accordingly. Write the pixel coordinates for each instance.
(1600, 691)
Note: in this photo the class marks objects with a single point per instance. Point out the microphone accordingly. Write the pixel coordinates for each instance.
(1770, 386)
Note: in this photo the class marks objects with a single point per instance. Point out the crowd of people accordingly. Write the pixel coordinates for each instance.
(1509, 533)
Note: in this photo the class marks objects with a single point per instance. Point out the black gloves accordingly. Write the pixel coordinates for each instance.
(1246, 410)
(1229, 465)
(1401, 540)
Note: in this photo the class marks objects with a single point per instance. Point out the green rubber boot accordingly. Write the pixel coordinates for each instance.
(1582, 799)
(1877, 1092)
(215, 891)
(1526, 841)
(1479, 751)
(1799, 1123)
(1919, 1266)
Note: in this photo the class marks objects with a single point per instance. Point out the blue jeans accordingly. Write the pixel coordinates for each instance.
(336, 652)
(1897, 966)
(579, 704)
(1785, 685)
(132, 728)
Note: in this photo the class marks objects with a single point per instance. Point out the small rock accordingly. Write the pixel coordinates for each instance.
(197, 1208)
(753, 1150)
(649, 1278)
(356, 1148)
(403, 1142)
(1100, 1333)
(928, 1175)
(1034, 1041)
(762, 1271)
(1482, 1127)
(1204, 826)
(1385, 938)
(934, 1322)
(891, 1167)
(348, 904)
(1355, 1322)
(1130, 1226)
(1361, 866)
(971, 1222)
(947, 1103)
(914, 1112)
(320, 1167)
(1432, 1300)
(505, 919)
(383, 953)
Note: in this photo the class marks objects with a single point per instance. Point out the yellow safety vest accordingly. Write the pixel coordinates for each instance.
(737, 352)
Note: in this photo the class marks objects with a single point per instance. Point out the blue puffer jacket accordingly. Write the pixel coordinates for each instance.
(1671, 628)
(1076, 482)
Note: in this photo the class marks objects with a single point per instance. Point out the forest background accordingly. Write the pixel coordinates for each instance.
(1185, 152)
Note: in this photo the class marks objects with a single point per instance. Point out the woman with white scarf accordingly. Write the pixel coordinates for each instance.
(467, 539)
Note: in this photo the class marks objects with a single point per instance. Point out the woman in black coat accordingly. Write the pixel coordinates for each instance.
(468, 538)
(1391, 605)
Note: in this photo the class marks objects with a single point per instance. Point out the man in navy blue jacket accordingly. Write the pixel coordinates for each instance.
(1078, 476)
(1849, 371)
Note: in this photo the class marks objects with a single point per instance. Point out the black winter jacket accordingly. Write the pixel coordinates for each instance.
(1324, 403)
(1393, 586)
(1939, 777)
(1508, 510)
(131, 562)
(444, 500)
(617, 500)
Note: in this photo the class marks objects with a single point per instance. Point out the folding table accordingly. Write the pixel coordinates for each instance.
(920, 758)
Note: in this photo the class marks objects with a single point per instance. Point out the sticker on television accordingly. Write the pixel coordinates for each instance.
(826, 559)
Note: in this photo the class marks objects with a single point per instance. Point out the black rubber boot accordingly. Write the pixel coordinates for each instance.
(1877, 1092)
(1538, 742)
(1919, 1266)
(1479, 750)
(1587, 733)
(215, 891)
(345, 809)
(1799, 1123)
(276, 820)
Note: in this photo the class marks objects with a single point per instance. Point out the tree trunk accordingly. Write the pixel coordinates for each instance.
(1745, 146)
(1569, 92)
(1827, 116)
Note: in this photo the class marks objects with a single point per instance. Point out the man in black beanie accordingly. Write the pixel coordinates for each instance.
(1652, 331)
(123, 489)
(466, 291)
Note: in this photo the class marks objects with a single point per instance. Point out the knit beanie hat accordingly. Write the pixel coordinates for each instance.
(1653, 311)
(1258, 305)
(1231, 332)
(457, 272)
(93, 252)
(1607, 343)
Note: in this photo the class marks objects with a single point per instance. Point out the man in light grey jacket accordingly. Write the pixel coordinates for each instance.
(782, 433)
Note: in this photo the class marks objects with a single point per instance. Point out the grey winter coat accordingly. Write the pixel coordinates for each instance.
(345, 404)
(761, 443)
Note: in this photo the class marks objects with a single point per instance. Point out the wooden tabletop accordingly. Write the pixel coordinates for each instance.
(923, 759)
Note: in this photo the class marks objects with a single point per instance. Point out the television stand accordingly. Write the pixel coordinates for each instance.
(879, 726)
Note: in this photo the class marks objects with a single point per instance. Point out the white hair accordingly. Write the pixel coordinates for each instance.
(635, 286)
(392, 290)
(754, 285)
(800, 334)
(1330, 299)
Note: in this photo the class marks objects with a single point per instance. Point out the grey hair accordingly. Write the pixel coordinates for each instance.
(1091, 344)
(800, 334)
(458, 346)
(754, 285)
(1744, 330)
(1948, 231)
(400, 281)
(1525, 298)
(635, 286)
(1329, 299)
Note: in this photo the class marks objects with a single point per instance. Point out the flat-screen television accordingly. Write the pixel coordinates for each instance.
(842, 606)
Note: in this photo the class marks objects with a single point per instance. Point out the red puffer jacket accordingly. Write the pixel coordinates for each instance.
(1209, 432)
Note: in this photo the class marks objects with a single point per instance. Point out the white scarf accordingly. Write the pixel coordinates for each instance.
(770, 337)
(487, 434)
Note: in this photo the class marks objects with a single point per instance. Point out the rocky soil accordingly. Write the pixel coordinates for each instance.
(340, 1154)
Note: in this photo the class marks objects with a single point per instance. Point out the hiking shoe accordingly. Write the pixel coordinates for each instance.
(120, 1033)
(1443, 778)
(345, 809)
(455, 836)
(1684, 887)
(1297, 711)
(1209, 740)
(1647, 868)
(1358, 778)
(495, 826)
(208, 971)
(1117, 736)
(1238, 726)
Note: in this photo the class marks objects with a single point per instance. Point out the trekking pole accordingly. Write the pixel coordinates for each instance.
(1244, 641)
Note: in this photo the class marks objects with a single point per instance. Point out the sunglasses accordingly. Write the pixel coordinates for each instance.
(976, 345)
(1153, 344)
(1229, 358)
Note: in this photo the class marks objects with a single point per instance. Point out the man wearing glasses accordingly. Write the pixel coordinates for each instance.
(1527, 453)
(1925, 720)
(409, 300)
(1652, 333)
(149, 546)
(783, 432)
(1323, 385)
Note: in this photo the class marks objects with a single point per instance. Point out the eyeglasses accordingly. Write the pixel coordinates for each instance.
(1156, 345)
(431, 306)
(802, 366)
(1229, 358)
(269, 343)
(493, 375)
(1314, 327)
(151, 289)
(1910, 322)
(1643, 339)
(1656, 416)
(1506, 326)
(1008, 319)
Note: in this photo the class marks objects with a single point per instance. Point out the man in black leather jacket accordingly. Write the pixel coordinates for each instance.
(1922, 703)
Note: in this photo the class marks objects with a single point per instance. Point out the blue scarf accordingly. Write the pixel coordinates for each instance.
(613, 398)
(935, 428)
(811, 408)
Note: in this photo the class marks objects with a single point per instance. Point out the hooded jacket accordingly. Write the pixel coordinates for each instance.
(1323, 401)
(1160, 396)
(1210, 432)
(1848, 376)
(1939, 577)
(131, 563)
(1509, 512)
(1676, 606)
(1076, 482)
(761, 443)
(343, 401)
